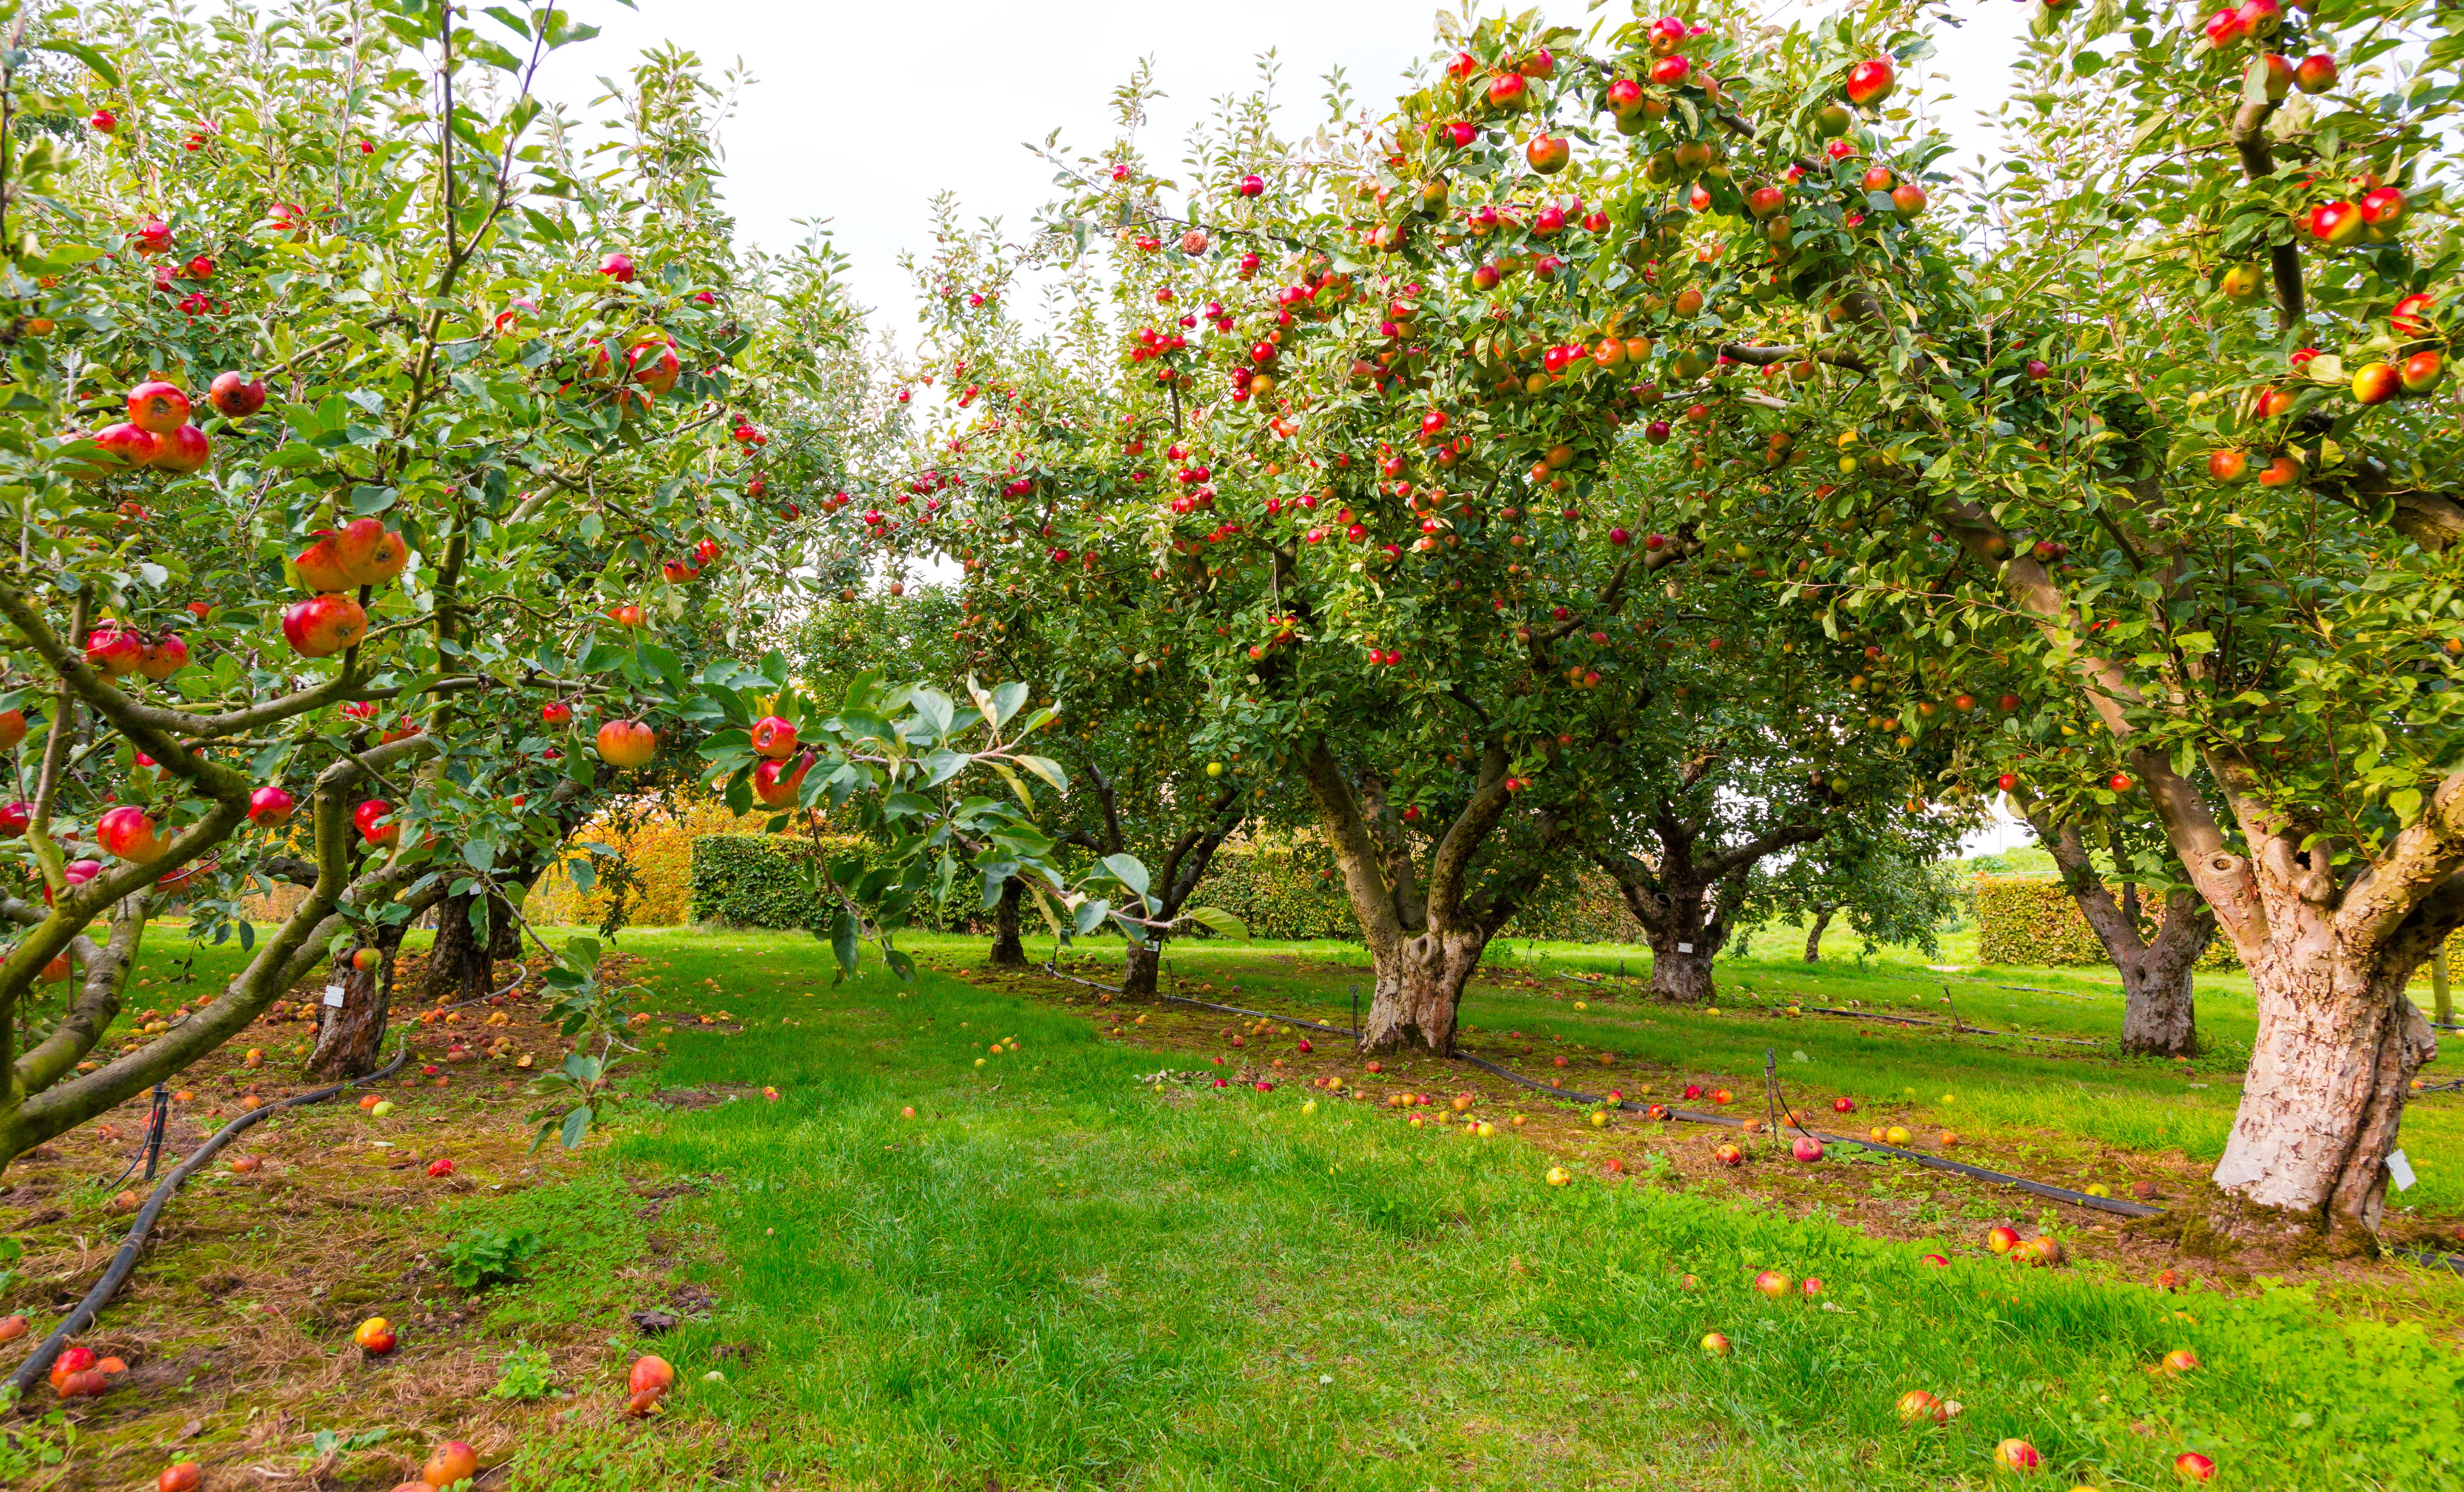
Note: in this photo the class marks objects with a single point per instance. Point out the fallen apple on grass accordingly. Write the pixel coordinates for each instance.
(2191, 1466)
(449, 1463)
(2018, 1455)
(375, 1336)
(1773, 1285)
(1917, 1407)
(1715, 1345)
(180, 1477)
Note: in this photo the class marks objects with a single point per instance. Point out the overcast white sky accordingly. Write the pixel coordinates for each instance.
(861, 113)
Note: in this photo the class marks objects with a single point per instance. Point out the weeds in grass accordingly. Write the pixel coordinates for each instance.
(484, 1256)
(529, 1374)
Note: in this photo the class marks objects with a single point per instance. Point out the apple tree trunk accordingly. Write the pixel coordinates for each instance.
(2159, 1010)
(1814, 935)
(1138, 966)
(1684, 939)
(2337, 1049)
(350, 1037)
(1009, 950)
(461, 964)
(1419, 988)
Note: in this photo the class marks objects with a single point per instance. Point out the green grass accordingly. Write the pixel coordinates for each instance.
(1998, 1087)
(1056, 1276)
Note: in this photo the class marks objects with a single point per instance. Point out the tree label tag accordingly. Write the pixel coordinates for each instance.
(334, 996)
(1685, 947)
(2401, 1169)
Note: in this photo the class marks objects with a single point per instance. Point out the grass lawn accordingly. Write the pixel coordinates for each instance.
(1064, 1272)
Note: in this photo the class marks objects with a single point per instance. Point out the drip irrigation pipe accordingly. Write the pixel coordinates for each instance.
(124, 1264)
(2452, 1263)
(1960, 1028)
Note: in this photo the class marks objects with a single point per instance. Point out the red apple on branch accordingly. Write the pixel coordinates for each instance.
(271, 807)
(628, 742)
(235, 395)
(323, 625)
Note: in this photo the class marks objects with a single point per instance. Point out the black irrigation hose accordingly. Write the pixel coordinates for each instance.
(1960, 1028)
(125, 1262)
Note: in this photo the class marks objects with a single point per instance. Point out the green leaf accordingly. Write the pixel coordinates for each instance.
(577, 1125)
(1129, 871)
(1049, 769)
(1214, 919)
(84, 53)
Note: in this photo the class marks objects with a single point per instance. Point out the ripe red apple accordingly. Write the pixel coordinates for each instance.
(2383, 207)
(157, 407)
(2411, 317)
(2018, 1455)
(2315, 72)
(778, 784)
(180, 1477)
(126, 833)
(1871, 81)
(77, 874)
(2277, 73)
(774, 737)
(1771, 1285)
(374, 821)
(651, 1376)
(617, 267)
(449, 1463)
(323, 625)
(235, 395)
(1908, 199)
(2002, 1240)
(556, 713)
(13, 728)
(14, 817)
(126, 447)
(2336, 224)
(369, 553)
(112, 651)
(1669, 72)
(2181, 1360)
(628, 742)
(1508, 91)
(1807, 1149)
(1917, 1407)
(2191, 1466)
(375, 1336)
(318, 567)
(1728, 1155)
(163, 657)
(183, 449)
(269, 807)
(2420, 372)
(1715, 1345)
(2228, 466)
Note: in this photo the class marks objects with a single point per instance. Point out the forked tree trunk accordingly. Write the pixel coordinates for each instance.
(1419, 990)
(2158, 1009)
(1138, 968)
(1684, 933)
(1814, 935)
(1009, 950)
(350, 1037)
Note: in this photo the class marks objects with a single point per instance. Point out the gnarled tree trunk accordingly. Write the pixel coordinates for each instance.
(2338, 1045)
(2158, 1009)
(1424, 942)
(1686, 902)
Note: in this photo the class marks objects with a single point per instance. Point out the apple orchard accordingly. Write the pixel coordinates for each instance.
(1650, 448)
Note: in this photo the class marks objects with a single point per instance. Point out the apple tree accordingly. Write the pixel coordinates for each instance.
(354, 422)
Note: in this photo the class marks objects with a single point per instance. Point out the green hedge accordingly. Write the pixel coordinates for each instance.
(2033, 920)
(766, 880)
(1284, 890)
